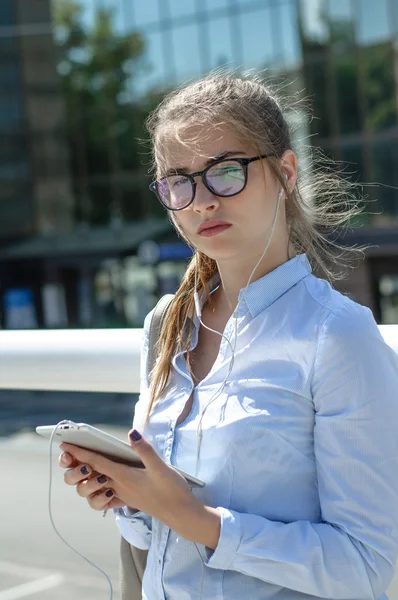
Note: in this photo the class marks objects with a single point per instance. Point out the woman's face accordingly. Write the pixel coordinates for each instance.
(250, 213)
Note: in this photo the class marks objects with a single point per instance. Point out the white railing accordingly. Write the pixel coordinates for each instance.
(80, 360)
(91, 360)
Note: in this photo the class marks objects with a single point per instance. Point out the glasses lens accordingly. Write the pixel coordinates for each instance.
(175, 191)
(226, 178)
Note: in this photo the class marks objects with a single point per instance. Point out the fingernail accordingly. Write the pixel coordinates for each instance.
(135, 436)
(84, 470)
(109, 494)
(65, 458)
(102, 479)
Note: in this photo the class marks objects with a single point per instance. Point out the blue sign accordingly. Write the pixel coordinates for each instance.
(19, 309)
(150, 252)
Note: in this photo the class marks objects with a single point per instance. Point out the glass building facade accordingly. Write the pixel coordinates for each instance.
(78, 78)
(35, 180)
(342, 53)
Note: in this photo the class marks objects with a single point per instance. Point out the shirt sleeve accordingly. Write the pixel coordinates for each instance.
(352, 552)
(136, 527)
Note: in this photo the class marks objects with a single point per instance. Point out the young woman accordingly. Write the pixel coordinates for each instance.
(290, 416)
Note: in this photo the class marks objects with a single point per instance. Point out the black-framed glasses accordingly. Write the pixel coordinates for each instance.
(226, 177)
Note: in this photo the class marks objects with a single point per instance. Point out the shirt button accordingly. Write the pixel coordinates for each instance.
(159, 561)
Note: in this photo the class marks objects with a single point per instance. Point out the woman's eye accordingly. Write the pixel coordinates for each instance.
(180, 181)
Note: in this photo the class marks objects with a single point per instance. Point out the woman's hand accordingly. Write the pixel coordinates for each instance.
(89, 484)
(158, 489)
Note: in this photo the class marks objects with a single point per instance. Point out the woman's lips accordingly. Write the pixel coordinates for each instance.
(210, 231)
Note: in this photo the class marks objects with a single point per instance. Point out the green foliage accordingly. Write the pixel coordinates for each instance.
(105, 121)
(380, 86)
(341, 62)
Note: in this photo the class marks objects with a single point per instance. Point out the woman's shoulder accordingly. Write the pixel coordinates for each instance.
(335, 306)
(348, 333)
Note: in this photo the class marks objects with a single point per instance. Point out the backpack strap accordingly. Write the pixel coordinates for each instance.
(133, 560)
(156, 326)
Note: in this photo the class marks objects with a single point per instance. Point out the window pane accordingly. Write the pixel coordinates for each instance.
(385, 170)
(34, 12)
(315, 82)
(145, 12)
(6, 12)
(346, 76)
(13, 158)
(388, 289)
(288, 51)
(342, 25)
(221, 51)
(247, 4)
(101, 199)
(380, 94)
(182, 9)
(340, 10)
(314, 25)
(9, 76)
(10, 111)
(351, 155)
(257, 38)
(217, 4)
(152, 67)
(373, 21)
(186, 51)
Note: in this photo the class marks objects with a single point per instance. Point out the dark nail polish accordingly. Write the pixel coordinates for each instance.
(102, 479)
(135, 436)
(109, 494)
(84, 470)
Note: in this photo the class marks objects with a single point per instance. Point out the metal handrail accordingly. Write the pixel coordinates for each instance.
(83, 360)
(80, 360)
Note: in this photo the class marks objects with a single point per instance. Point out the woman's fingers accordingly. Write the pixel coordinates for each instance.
(91, 486)
(101, 500)
(75, 475)
(66, 460)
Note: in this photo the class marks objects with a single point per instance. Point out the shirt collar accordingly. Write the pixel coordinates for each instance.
(264, 291)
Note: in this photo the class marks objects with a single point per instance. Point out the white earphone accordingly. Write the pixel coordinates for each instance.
(198, 310)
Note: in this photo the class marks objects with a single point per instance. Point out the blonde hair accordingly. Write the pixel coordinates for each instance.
(321, 201)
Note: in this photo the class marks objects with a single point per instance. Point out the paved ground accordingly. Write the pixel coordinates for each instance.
(34, 563)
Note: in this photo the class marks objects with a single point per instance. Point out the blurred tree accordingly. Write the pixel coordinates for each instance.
(331, 69)
(98, 66)
(380, 86)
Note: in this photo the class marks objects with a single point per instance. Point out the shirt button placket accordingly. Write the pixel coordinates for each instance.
(166, 531)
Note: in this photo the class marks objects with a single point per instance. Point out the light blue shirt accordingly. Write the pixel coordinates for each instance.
(299, 452)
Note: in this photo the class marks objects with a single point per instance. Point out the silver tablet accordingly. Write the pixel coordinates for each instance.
(92, 438)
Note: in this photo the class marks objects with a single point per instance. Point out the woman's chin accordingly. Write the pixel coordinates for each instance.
(221, 253)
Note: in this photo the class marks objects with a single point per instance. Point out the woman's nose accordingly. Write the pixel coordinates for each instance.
(204, 199)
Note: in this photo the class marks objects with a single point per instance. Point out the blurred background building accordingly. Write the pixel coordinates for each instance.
(83, 242)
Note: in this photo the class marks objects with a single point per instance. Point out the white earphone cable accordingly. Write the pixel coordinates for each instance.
(52, 520)
(233, 348)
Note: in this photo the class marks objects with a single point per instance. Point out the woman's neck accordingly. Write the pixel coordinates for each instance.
(234, 278)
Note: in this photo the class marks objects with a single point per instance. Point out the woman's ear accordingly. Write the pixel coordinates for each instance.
(289, 169)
